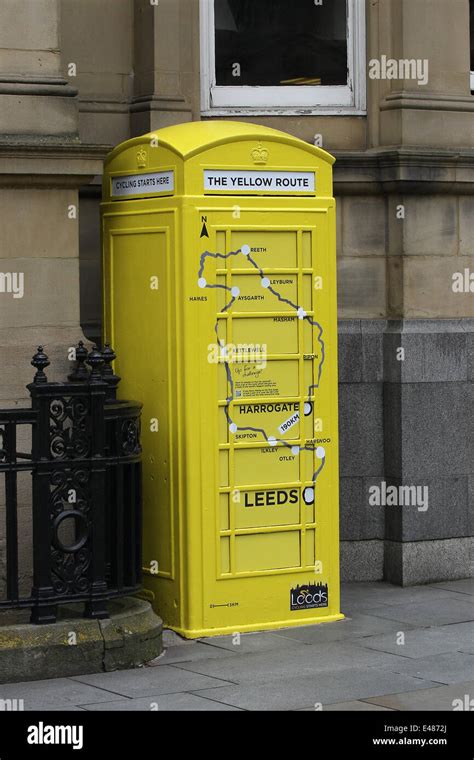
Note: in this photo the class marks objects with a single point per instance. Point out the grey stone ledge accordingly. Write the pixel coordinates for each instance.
(463, 325)
(360, 326)
(400, 169)
(422, 326)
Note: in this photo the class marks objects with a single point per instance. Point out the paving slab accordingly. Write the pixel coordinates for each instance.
(424, 642)
(365, 595)
(270, 666)
(433, 612)
(68, 708)
(306, 691)
(452, 667)
(252, 642)
(358, 625)
(167, 703)
(198, 651)
(359, 602)
(465, 586)
(440, 698)
(55, 692)
(354, 706)
(145, 682)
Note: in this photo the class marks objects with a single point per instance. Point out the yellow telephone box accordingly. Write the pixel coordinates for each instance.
(220, 300)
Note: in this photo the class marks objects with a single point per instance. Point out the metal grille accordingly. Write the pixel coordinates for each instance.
(85, 464)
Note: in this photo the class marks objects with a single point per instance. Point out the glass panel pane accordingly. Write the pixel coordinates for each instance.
(280, 42)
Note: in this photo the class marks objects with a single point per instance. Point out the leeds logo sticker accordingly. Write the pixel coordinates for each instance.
(308, 596)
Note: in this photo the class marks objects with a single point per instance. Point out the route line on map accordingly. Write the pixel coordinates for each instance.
(301, 314)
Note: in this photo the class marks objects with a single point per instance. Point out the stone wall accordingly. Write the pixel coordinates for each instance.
(405, 221)
(407, 423)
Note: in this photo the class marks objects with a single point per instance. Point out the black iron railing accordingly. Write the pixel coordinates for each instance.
(85, 462)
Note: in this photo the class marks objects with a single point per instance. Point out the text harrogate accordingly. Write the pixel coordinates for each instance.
(268, 408)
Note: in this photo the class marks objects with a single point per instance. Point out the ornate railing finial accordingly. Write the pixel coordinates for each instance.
(95, 362)
(40, 361)
(109, 355)
(80, 373)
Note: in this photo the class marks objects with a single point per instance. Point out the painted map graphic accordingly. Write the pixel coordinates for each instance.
(300, 312)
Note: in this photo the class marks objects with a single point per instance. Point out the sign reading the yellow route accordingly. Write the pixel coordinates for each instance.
(271, 182)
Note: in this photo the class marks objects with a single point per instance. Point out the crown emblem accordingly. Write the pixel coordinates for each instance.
(141, 158)
(260, 155)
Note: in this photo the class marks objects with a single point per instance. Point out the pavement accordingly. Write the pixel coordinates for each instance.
(398, 649)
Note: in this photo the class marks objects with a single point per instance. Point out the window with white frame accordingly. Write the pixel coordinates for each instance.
(283, 56)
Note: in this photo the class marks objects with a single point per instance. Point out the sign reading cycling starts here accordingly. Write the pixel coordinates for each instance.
(139, 184)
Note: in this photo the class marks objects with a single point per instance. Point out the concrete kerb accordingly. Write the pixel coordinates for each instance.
(76, 646)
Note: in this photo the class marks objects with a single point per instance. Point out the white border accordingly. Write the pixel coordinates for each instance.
(336, 100)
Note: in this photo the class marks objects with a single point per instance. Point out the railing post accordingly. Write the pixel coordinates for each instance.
(42, 610)
(96, 606)
(11, 513)
(112, 380)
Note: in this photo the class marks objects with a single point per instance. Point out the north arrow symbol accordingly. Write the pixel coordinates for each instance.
(204, 232)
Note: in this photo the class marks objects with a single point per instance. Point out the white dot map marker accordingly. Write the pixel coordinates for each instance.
(320, 452)
(295, 450)
(308, 408)
(245, 250)
(202, 282)
(265, 282)
(272, 440)
(233, 427)
(308, 495)
(301, 313)
(235, 292)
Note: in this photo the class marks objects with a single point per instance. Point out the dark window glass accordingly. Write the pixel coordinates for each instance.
(280, 42)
